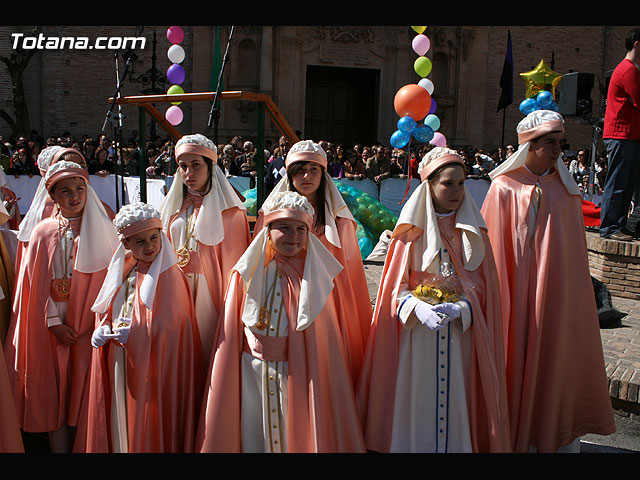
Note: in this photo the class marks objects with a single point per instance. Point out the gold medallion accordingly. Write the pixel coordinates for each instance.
(62, 287)
(184, 256)
(264, 318)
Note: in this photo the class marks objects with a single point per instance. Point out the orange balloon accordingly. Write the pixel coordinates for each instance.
(412, 100)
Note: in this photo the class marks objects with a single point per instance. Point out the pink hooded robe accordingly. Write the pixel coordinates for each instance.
(351, 292)
(215, 261)
(10, 437)
(212, 227)
(49, 380)
(321, 414)
(376, 390)
(556, 381)
(164, 372)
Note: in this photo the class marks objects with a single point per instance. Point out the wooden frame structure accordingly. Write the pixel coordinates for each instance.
(145, 104)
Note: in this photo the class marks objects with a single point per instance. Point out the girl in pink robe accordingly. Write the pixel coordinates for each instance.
(556, 381)
(42, 206)
(335, 226)
(280, 381)
(48, 349)
(207, 224)
(433, 378)
(147, 371)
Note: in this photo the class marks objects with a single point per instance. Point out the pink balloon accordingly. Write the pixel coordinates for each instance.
(174, 115)
(421, 44)
(439, 140)
(175, 35)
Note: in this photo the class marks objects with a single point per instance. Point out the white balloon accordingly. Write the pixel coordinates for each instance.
(176, 53)
(427, 85)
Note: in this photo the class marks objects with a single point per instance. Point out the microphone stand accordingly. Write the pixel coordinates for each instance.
(214, 113)
(129, 55)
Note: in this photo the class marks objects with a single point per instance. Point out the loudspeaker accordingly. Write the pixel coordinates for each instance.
(575, 94)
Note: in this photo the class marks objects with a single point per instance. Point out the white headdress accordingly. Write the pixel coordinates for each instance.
(45, 157)
(535, 125)
(220, 197)
(320, 267)
(132, 219)
(39, 201)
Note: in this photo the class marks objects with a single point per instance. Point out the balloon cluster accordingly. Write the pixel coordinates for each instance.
(540, 86)
(175, 73)
(372, 217)
(413, 103)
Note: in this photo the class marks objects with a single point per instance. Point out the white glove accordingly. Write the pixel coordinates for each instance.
(429, 317)
(121, 334)
(99, 337)
(451, 310)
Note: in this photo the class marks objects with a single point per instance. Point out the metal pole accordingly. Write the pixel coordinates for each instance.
(260, 155)
(143, 155)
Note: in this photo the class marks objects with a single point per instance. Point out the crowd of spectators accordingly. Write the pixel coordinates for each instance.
(237, 157)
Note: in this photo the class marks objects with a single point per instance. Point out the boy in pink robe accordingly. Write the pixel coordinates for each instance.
(48, 348)
(147, 371)
(279, 380)
(556, 380)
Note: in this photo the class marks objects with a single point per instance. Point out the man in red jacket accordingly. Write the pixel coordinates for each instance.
(621, 135)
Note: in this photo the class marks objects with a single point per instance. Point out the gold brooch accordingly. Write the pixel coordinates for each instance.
(184, 256)
(62, 287)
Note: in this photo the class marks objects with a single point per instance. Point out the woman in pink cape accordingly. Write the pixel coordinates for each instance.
(433, 377)
(48, 348)
(147, 370)
(556, 380)
(279, 381)
(334, 225)
(207, 225)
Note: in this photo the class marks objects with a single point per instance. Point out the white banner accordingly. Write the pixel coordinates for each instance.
(391, 194)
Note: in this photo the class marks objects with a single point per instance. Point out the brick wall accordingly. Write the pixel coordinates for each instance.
(69, 89)
(616, 264)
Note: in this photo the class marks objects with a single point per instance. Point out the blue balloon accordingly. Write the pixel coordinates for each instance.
(433, 121)
(544, 98)
(529, 105)
(366, 246)
(423, 133)
(406, 124)
(399, 139)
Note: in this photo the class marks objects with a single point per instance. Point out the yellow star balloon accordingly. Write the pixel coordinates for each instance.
(419, 29)
(539, 79)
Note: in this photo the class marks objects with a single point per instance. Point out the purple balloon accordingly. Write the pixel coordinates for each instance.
(175, 34)
(433, 106)
(176, 74)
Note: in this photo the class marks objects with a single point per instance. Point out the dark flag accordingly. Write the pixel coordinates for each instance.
(506, 79)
